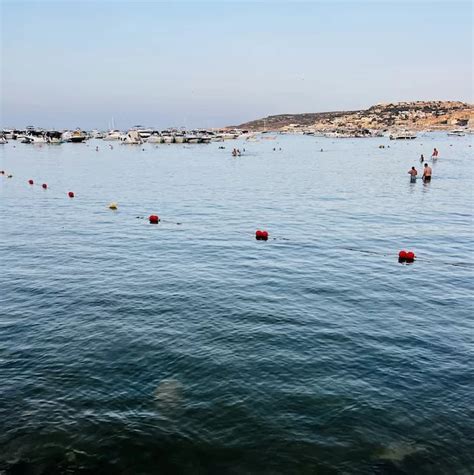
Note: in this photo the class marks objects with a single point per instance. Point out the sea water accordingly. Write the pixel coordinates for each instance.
(190, 347)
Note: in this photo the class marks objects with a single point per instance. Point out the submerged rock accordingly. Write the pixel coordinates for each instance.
(398, 451)
(169, 393)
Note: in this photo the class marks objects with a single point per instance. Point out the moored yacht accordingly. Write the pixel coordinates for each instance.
(402, 136)
(54, 137)
(114, 135)
(143, 132)
(7, 133)
(155, 137)
(78, 136)
(132, 138)
(456, 133)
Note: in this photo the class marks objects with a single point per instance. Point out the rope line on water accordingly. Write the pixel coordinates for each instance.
(113, 206)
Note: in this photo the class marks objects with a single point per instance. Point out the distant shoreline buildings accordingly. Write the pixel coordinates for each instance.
(397, 120)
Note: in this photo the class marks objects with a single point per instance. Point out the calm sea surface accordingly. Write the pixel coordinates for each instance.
(131, 348)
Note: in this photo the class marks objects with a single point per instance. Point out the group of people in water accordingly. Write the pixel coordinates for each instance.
(427, 170)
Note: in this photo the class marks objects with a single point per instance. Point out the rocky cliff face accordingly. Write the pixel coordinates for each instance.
(419, 115)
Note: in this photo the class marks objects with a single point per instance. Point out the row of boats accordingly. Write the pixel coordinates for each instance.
(137, 135)
(411, 135)
(400, 135)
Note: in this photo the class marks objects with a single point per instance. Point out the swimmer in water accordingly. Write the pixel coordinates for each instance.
(427, 173)
(422, 158)
(412, 174)
(435, 153)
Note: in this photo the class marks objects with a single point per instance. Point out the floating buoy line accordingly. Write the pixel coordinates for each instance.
(404, 257)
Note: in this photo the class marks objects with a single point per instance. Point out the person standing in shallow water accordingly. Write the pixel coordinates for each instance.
(422, 158)
(427, 173)
(412, 174)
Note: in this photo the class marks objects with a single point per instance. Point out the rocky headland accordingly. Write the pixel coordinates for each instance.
(386, 117)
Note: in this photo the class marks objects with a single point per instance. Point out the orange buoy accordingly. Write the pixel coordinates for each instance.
(154, 219)
(31, 182)
(44, 185)
(71, 194)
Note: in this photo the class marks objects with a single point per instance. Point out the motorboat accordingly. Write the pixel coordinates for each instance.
(77, 136)
(54, 137)
(155, 137)
(96, 134)
(114, 135)
(143, 132)
(132, 138)
(402, 136)
(456, 133)
(192, 138)
(7, 133)
(179, 137)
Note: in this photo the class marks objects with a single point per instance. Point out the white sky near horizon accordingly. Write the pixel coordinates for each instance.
(203, 64)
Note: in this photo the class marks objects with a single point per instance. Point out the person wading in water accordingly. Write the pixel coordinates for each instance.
(427, 173)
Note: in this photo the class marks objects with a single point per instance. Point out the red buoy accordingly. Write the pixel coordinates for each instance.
(261, 235)
(71, 194)
(402, 255)
(31, 182)
(154, 219)
(410, 256)
(44, 185)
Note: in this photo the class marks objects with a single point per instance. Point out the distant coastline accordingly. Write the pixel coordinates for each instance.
(386, 117)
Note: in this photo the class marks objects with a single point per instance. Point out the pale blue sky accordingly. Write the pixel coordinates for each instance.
(80, 63)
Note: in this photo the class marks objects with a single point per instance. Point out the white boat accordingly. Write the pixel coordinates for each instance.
(7, 133)
(155, 138)
(402, 136)
(230, 136)
(179, 138)
(96, 134)
(114, 135)
(77, 136)
(456, 133)
(54, 137)
(142, 131)
(168, 139)
(37, 139)
(192, 139)
(132, 138)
